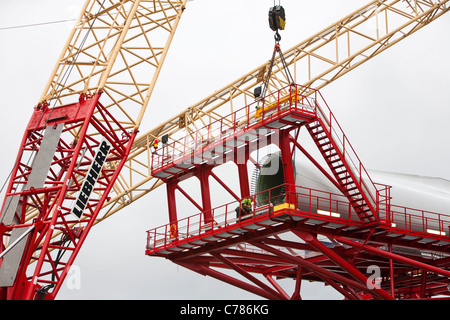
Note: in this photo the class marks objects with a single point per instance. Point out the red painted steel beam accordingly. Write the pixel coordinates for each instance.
(189, 197)
(349, 268)
(298, 284)
(288, 167)
(323, 273)
(171, 186)
(231, 192)
(205, 270)
(281, 291)
(203, 176)
(245, 274)
(257, 258)
(394, 256)
(243, 180)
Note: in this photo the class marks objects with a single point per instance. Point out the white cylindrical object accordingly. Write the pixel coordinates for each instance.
(418, 203)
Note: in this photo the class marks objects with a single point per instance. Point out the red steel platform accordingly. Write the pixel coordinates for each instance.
(410, 247)
(354, 240)
(318, 210)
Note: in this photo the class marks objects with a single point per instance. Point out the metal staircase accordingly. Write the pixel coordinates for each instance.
(350, 175)
(288, 107)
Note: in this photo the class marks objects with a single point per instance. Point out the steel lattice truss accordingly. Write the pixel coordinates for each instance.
(298, 254)
(108, 69)
(115, 48)
(293, 231)
(79, 137)
(315, 62)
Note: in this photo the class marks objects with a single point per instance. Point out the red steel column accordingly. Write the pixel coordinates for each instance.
(352, 270)
(395, 257)
(288, 167)
(203, 176)
(243, 180)
(171, 186)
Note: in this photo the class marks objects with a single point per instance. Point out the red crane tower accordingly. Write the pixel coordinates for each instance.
(79, 138)
(83, 131)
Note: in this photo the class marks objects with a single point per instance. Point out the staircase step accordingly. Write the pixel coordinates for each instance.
(357, 199)
(348, 183)
(347, 177)
(321, 138)
(328, 149)
(338, 166)
(358, 206)
(317, 134)
(324, 144)
(334, 161)
(315, 126)
(329, 156)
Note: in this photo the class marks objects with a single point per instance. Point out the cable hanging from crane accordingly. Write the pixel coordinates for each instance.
(277, 21)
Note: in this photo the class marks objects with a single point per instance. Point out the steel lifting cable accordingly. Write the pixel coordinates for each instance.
(277, 21)
(286, 68)
(277, 49)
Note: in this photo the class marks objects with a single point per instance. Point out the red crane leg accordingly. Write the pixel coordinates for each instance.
(78, 151)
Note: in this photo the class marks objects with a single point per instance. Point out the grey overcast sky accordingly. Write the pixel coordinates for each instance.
(394, 109)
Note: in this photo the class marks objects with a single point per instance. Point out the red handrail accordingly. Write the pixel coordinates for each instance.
(243, 118)
(310, 202)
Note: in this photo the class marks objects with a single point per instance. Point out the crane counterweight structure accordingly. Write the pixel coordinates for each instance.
(81, 161)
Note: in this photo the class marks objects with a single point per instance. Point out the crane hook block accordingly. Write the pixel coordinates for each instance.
(277, 18)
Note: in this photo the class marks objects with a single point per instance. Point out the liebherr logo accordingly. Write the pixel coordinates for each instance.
(91, 179)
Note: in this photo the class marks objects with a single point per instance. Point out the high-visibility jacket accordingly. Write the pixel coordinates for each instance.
(246, 203)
